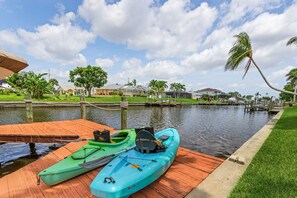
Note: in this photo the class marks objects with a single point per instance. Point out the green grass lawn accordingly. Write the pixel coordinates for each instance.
(273, 171)
(64, 98)
(11, 97)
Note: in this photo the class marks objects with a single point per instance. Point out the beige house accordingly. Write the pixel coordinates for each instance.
(106, 90)
(70, 90)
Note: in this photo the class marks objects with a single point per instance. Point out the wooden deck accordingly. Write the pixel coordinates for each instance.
(188, 170)
(47, 132)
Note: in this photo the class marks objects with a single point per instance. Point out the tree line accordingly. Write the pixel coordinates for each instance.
(87, 77)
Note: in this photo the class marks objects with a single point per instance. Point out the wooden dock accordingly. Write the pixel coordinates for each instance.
(50, 132)
(188, 170)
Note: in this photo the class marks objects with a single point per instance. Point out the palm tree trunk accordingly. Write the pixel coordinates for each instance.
(269, 85)
(294, 97)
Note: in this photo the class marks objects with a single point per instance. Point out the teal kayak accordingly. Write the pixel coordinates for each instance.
(93, 150)
(133, 170)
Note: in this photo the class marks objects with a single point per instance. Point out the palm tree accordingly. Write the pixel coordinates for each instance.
(158, 86)
(177, 88)
(242, 49)
(292, 77)
(292, 40)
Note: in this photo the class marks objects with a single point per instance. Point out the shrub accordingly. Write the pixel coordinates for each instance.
(6, 91)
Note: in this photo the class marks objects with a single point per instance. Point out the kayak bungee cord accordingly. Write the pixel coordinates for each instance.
(152, 160)
(133, 165)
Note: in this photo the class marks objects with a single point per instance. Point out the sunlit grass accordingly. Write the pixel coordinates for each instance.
(115, 99)
(273, 171)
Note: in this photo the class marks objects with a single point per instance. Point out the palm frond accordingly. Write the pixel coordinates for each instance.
(292, 40)
(292, 75)
(241, 49)
(247, 67)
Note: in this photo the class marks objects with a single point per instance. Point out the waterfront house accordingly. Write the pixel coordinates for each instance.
(209, 92)
(107, 89)
(175, 94)
(70, 90)
(4, 84)
(130, 90)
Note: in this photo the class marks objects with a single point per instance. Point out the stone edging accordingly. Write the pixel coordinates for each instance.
(223, 179)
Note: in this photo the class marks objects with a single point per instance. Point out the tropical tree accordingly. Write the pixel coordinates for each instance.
(177, 88)
(292, 78)
(235, 94)
(241, 50)
(34, 84)
(292, 40)
(17, 80)
(52, 83)
(287, 97)
(88, 77)
(158, 86)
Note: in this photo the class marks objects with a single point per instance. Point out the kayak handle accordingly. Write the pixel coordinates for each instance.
(109, 180)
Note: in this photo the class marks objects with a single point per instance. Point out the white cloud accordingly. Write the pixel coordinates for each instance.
(280, 73)
(268, 32)
(237, 85)
(60, 43)
(9, 38)
(209, 58)
(172, 29)
(241, 10)
(61, 75)
(135, 69)
(104, 63)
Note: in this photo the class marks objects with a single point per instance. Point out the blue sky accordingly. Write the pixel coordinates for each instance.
(176, 40)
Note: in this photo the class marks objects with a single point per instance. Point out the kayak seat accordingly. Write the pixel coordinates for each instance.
(102, 136)
(83, 153)
(149, 129)
(147, 143)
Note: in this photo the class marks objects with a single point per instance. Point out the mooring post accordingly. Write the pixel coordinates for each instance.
(29, 115)
(29, 108)
(82, 107)
(270, 105)
(124, 109)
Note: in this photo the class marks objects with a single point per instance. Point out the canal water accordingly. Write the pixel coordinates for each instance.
(214, 130)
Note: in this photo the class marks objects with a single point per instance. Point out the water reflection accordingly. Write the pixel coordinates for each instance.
(213, 130)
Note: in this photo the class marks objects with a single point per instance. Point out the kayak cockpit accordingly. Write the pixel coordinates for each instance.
(104, 138)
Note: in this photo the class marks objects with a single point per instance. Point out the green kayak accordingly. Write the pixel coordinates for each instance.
(94, 149)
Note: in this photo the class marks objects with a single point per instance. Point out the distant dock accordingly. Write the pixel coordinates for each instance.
(161, 104)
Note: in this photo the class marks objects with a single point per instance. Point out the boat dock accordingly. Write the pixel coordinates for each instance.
(189, 169)
(161, 104)
(50, 132)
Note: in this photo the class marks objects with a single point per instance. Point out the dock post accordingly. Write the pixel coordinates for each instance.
(29, 115)
(29, 108)
(124, 109)
(82, 107)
